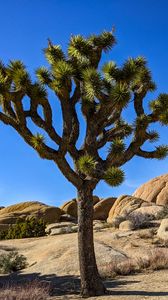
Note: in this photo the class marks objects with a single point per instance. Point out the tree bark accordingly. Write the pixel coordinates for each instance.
(91, 283)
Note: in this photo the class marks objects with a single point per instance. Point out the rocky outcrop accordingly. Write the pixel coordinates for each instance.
(135, 210)
(163, 230)
(70, 208)
(123, 206)
(10, 214)
(102, 208)
(155, 190)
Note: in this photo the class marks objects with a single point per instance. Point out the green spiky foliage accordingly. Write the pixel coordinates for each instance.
(37, 140)
(117, 147)
(161, 151)
(86, 164)
(104, 93)
(114, 176)
(100, 92)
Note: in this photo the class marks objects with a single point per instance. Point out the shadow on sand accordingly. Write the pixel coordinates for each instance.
(70, 285)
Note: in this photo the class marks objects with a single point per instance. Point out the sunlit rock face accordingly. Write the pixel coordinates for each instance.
(155, 190)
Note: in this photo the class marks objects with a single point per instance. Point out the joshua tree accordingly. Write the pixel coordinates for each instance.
(102, 93)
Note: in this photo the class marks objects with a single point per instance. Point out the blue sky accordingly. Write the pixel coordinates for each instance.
(141, 29)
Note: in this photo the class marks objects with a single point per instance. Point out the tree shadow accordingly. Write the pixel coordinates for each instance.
(70, 285)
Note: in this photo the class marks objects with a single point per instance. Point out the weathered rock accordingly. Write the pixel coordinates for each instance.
(163, 230)
(64, 230)
(142, 216)
(52, 226)
(126, 225)
(155, 190)
(102, 208)
(10, 214)
(70, 207)
(67, 218)
(98, 224)
(123, 206)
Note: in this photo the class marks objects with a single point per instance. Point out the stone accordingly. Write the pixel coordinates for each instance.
(126, 225)
(155, 190)
(142, 216)
(163, 230)
(70, 208)
(23, 210)
(102, 208)
(67, 218)
(64, 230)
(123, 206)
(52, 226)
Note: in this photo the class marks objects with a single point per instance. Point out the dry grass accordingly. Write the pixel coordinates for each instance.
(156, 259)
(34, 290)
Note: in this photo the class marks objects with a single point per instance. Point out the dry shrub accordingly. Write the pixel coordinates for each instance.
(155, 259)
(33, 290)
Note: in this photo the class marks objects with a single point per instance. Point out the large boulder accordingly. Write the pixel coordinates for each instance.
(70, 207)
(155, 190)
(123, 206)
(10, 214)
(136, 210)
(102, 208)
(163, 230)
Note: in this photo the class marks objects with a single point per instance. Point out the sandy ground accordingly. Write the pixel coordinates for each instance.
(55, 259)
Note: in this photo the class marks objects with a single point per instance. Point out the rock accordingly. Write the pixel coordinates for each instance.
(70, 208)
(141, 217)
(64, 230)
(155, 190)
(163, 230)
(1, 207)
(52, 226)
(126, 226)
(67, 218)
(23, 210)
(102, 208)
(98, 225)
(123, 206)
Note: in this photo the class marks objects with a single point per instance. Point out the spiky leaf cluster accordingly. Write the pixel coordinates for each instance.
(117, 147)
(54, 53)
(153, 136)
(37, 140)
(104, 41)
(161, 152)
(120, 94)
(114, 176)
(160, 107)
(92, 83)
(86, 164)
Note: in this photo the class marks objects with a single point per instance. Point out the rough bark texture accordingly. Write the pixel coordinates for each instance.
(91, 284)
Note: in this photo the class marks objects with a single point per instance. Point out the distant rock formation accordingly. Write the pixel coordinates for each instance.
(155, 190)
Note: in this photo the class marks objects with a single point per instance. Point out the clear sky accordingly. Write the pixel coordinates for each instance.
(141, 29)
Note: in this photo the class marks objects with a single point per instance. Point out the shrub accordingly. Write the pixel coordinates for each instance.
(12, 262)
(32, 290)
(31, 227)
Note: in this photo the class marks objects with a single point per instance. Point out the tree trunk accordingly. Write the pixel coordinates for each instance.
(91, 283)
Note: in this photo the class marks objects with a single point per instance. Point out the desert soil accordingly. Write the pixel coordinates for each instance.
(55, 259)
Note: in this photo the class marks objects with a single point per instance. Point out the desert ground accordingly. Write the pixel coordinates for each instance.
(55, 259)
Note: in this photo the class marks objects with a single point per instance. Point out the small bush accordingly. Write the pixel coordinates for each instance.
(12, 262)
(155, 259)
(31, 227)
